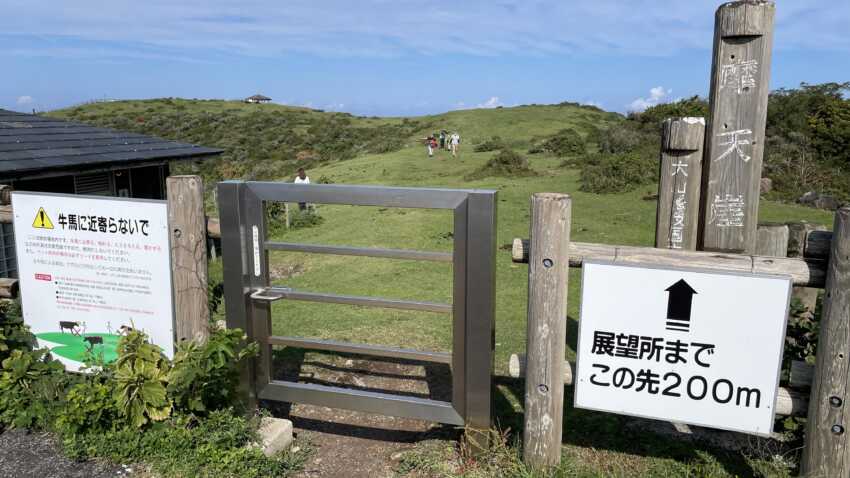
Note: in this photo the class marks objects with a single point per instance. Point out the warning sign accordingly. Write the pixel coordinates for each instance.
(42, 220)
(91, 269)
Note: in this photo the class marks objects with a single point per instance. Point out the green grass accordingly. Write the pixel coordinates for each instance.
(73, 347)
(595, 444)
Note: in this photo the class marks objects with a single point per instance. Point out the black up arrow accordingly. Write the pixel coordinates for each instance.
(679, 306)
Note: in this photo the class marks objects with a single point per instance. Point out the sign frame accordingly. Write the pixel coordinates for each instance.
(706, 270)
(169, 238)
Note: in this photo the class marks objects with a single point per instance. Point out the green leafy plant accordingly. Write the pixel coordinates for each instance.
(140, 374)
(31, 387)
(205, 377)
(14, 335)
(90, 407)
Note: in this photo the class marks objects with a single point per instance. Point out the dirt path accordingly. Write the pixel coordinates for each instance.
(353, 444)
(36, 455)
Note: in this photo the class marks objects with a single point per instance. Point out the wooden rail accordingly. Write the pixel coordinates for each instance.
(808, 272)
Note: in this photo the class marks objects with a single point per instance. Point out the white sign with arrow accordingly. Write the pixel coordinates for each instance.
(682, 345)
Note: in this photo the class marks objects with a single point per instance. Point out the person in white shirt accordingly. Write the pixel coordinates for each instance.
(302, 178)
(455, 140)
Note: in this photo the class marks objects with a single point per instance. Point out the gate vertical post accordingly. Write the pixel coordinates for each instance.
(480, 314)
(259, 312)
(827, 447)
(548, 274)
(677, 216)
(237, 291)
(734, 143)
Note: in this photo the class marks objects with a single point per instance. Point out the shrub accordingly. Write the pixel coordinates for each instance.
(506, 162)
(492, 144)
(624, 138)
(32, 387)
(566, 142)
(621, 172)
(205, 377)
(90, 407)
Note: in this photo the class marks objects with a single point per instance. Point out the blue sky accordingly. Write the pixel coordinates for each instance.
(392, 57)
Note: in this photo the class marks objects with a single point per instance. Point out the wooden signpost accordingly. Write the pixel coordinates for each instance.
(679, 183)
(734, 145)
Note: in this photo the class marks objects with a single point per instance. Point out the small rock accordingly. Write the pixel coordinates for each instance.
(275, 434)
(349, 363)
(808, 198)
(766, 185)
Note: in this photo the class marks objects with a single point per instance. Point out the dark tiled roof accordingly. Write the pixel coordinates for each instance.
(30, 143)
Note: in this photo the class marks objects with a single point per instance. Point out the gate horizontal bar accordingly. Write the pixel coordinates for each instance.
(362, 349)
(272, 294)
(363, 401)
(425, 198)
(361, 251)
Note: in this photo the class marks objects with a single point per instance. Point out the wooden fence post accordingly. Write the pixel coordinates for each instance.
(827, 449)
(677, 215)
(798, 239)
(734, 145)
(548, 272)
(772, 240)
(188, 227)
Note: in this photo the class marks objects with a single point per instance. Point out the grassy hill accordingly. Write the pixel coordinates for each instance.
(269, 139)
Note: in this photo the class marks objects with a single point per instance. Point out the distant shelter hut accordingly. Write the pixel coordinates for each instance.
(257, 99)
(44, 154)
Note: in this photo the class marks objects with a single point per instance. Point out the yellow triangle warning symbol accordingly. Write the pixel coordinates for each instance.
(41, 220)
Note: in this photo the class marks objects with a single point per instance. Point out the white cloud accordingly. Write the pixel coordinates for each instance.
(656, 96)
(492, 102)
(202, 29)
(24, 100)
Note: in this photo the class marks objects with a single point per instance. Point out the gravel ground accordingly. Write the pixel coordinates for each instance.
(36, 455)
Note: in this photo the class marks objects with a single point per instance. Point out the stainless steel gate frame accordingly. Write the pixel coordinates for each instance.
(248, 295)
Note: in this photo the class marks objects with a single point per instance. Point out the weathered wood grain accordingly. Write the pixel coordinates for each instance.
(547, 329)
(677, 214)
(8, 288)
(827, 450)
(801, 375)
(188, 227)
(808, 240)
(5, 194)
(517, 366)
(734, 145)
(803, 272)
(772, 240)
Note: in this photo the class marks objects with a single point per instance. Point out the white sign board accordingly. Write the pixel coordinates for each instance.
(682, 345)
(90, 269)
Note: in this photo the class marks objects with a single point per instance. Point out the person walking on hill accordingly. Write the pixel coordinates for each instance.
(443, 139)
(455, 143)
(431, 144)
(302, 178)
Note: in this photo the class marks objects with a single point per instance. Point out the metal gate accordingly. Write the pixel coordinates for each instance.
(248, 295)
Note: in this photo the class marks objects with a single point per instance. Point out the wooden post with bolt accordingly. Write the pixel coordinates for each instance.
(734, 144)
(547, 328)
(677, 218)
(827, 449)
(188, 226)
